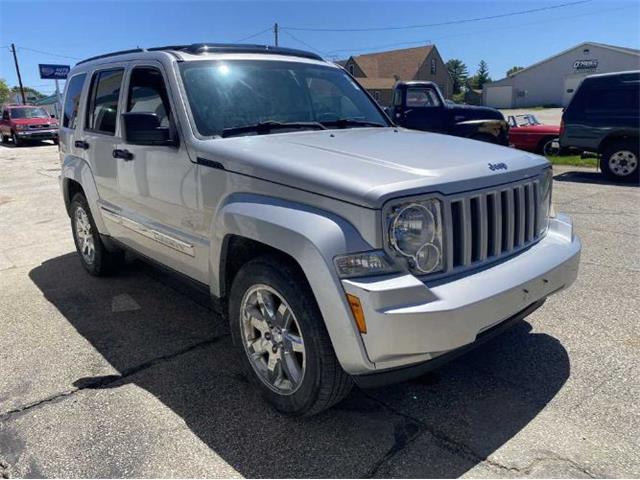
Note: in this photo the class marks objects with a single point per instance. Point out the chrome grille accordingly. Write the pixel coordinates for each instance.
(487, 225)
(33, 127)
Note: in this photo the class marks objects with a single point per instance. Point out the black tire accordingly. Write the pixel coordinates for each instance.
(104, 262)
(323, 383)
(55, 141)
(5, 139)
(17, 141)
(617, 173)
(545, 147)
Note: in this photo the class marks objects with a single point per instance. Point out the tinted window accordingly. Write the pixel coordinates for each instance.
(422, 97)
(246, 92)
(147, 93)
(614, 101)
(72, 101)
(102, 113)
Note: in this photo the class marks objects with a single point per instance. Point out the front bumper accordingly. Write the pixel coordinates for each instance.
(47, 134)
(410, 322)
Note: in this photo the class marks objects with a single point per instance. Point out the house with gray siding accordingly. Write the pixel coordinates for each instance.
(552, 82)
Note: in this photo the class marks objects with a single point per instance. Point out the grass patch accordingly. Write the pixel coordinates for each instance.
(574, 160)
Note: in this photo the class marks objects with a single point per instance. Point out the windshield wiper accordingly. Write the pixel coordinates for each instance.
(352, 122)
(266, 127)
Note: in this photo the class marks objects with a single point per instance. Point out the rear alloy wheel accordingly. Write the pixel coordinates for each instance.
(94, 256)
(619, 162)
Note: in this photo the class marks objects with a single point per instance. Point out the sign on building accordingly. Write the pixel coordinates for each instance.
(54, 72)
(585, 64)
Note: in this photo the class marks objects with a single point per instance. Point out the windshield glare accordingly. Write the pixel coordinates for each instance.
(237, 93)
(28, 113)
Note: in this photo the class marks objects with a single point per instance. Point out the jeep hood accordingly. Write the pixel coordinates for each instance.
(368, 166)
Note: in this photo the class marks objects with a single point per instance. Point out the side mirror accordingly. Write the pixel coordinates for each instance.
(53, 116)
(143, 128)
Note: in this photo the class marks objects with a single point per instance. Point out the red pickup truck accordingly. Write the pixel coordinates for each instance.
(27, 122)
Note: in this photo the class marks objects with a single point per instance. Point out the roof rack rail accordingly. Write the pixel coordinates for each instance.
(112, 54)
(197, 48)
(248, 48)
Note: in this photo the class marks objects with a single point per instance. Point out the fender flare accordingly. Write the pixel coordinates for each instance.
(77, 169)
(312, 237)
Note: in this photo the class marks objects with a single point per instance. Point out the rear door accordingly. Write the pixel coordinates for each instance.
(101, 132)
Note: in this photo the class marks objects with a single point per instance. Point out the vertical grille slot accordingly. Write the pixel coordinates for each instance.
(456, 232)
(531, 212)
(476, 226)
(490, 202)
(508, 227)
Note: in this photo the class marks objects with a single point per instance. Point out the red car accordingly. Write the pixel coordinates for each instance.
(527, 133)
(27, 122)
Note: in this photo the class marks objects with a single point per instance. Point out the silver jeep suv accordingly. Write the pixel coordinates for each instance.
(339, 247)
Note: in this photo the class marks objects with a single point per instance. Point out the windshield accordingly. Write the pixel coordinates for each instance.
(226, 95)
(27, 112)
(526, 120)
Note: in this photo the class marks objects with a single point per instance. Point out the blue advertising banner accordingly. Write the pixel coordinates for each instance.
(54, 72)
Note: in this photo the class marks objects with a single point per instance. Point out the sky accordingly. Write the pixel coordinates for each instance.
(63, 32)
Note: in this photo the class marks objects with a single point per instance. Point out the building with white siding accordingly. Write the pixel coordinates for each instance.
(553, 81)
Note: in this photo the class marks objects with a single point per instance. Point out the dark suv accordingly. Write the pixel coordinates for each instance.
(604, 117)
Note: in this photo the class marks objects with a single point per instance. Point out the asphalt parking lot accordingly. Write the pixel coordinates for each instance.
(132, 376)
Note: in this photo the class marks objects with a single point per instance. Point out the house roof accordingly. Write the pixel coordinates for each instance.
(404, 63)
(376, 83)
(627, 50)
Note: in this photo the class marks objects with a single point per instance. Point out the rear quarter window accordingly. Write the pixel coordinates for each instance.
(72, 101)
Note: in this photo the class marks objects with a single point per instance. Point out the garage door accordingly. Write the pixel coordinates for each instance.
(499, 97)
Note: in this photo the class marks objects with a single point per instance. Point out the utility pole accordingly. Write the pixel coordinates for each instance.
(275, 32)
(15, 59)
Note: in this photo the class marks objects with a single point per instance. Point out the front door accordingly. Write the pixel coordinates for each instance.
(423, 110)
(157, 184)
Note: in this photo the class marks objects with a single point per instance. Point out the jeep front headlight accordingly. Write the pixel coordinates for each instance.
(415, 233)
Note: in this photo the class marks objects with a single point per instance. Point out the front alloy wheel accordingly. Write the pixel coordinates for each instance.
(272, 339)
(282, 338)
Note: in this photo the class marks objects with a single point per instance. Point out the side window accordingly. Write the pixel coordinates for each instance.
(620, 100)
(397, 97)
(148, 93)
(422, 97)
(5, 114)
(72, 101)
(102, 113)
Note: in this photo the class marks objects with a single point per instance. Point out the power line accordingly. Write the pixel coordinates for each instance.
(451, 22)
(48, 53)
(476, 32)
(268, 29)
(289, 34)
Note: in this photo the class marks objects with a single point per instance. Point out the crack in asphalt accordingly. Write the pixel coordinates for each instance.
(4, 469)
(412, 428)
(104, 381)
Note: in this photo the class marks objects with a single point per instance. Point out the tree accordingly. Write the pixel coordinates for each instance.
(29, 92)
(4, 91)
(459, 73)
(513, 70)
(480, 78)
